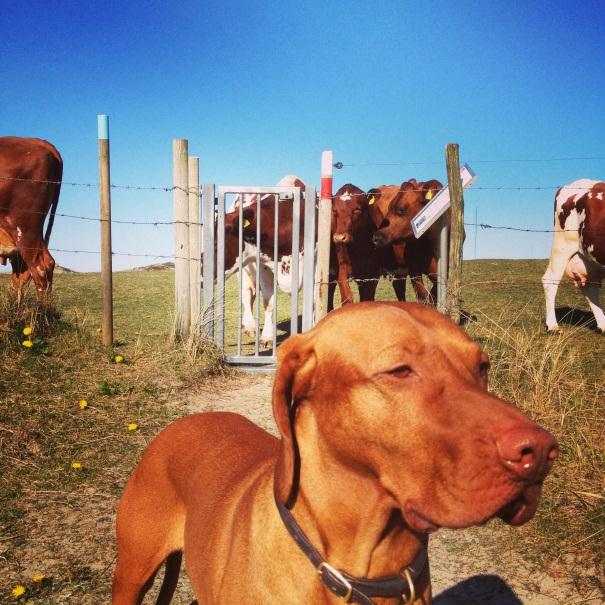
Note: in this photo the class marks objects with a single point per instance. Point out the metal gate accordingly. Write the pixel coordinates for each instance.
(256, 261)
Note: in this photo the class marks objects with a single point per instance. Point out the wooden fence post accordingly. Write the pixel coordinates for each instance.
(324, 222)
(194, 241)
(180, 197)
(456, 232)
(105, 215)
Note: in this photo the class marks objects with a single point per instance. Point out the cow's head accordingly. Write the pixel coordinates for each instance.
(404, 203)
(350, 208)
(232, 223)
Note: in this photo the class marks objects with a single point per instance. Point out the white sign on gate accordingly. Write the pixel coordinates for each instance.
(440, 203)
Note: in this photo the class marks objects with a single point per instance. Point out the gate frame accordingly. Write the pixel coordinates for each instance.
(213, 239)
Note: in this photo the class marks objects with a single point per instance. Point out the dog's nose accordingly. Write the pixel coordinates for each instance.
(528, 452)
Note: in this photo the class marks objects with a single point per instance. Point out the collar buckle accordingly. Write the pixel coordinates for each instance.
(338, 581)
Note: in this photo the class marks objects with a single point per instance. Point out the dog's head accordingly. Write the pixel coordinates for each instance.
(400, 392)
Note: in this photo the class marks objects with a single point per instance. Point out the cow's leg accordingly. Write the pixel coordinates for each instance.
(248, 280)
(36, 257)
(266, 284)
(331, 292)
(422, 294)
(591, 292)
(367, 289)
(399, 282)
(550, 281)
(20, 275)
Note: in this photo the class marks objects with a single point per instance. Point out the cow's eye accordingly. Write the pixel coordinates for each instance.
(401, 211)
(402, 371)
(484, 368)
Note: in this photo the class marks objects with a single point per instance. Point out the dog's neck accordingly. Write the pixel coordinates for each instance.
(345, 512)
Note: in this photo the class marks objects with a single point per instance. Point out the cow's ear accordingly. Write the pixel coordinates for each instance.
(430, 189)
(410, 185)
(372, 196)
(293, 380)
(248, 217)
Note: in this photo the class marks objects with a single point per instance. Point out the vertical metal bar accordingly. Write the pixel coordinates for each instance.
(275, 266)
(295, 257)
(258, 290)
(208, 237)
(240, 248)
(220, 270)
(309, 259)
(105, 204)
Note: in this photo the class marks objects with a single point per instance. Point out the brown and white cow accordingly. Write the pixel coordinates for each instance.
(578, 246)
(399, 205)
(250, 213)
(355, 218)
(30, 181)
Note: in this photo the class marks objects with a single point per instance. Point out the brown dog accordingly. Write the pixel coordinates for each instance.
(388, 433)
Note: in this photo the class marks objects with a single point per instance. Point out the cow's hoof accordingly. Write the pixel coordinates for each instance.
(250, 333)
(553, 331)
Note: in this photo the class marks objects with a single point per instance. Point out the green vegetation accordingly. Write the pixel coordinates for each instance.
(55, 516)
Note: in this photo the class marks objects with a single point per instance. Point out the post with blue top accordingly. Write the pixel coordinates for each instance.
(105, 216)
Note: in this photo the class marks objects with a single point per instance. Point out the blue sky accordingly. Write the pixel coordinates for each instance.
(261, 88)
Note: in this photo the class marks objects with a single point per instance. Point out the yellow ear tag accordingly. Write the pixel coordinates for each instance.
(429, 195)
(372, 201)
(246, 223)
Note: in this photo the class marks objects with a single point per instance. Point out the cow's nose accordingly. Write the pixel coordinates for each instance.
(528, 451)
(341, 238)
(378, 238)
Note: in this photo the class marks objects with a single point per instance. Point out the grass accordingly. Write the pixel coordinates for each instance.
(49, 510)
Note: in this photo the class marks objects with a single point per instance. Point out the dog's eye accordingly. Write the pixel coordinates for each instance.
(402, 371)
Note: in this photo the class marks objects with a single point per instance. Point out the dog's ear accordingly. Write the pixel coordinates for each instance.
(293, 380)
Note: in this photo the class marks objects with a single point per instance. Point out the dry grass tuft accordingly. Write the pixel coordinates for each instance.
(545, 376)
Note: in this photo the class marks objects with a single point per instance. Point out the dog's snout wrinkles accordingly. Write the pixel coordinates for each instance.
(528, 452)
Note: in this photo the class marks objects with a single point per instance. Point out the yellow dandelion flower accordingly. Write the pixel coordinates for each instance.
(27, 343)
(118, 359)
(39, 577)
(76, 465)
(98, 330)
(83, 403)
(18, 591)
(27, 331)
(133, 426)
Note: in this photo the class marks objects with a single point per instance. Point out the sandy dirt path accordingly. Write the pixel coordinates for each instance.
(467, 566)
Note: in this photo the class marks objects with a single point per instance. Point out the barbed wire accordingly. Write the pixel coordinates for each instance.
(387, 276)
(340, 165)
(112, 185)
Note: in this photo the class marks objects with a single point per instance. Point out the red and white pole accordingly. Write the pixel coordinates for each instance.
(324, 224)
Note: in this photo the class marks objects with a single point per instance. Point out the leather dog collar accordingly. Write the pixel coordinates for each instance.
(356, 590)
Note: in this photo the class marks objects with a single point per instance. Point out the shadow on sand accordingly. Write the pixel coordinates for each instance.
(479, 590)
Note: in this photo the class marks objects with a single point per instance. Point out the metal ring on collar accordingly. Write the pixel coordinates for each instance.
(408, 576)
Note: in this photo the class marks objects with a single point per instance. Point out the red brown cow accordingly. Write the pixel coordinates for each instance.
(30, 181)
(578, 246)
(355, 217)
(399, 206)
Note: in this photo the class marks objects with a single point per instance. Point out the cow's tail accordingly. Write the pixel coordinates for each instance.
(56, 189)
